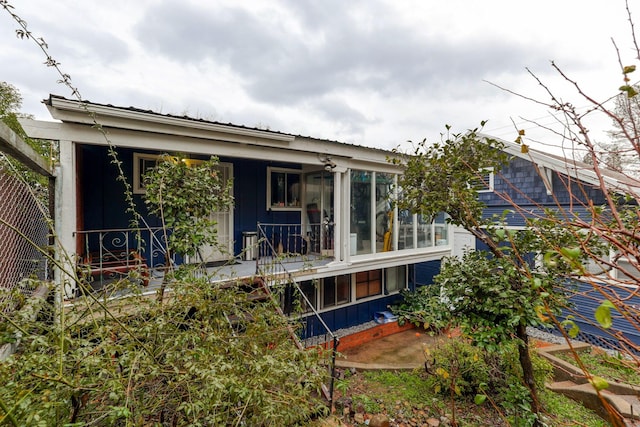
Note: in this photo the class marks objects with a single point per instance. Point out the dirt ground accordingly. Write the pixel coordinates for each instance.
(403, 348)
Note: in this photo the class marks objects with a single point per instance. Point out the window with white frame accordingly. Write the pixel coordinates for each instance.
(395, 279)
(142, 163)
(283, 189)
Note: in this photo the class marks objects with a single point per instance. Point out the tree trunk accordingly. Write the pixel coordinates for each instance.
(527, 369)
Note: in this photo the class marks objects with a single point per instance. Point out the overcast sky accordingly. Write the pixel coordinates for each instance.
(368, 72)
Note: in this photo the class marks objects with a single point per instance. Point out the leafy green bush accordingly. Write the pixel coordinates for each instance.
(423, 308)
(181, 362)
(460, 369)
(456, 367)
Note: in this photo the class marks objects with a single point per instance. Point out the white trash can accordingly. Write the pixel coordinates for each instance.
(250, 245)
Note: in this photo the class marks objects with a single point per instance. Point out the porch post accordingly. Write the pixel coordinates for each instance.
(337, 216)
(345, 214)
(65, 220)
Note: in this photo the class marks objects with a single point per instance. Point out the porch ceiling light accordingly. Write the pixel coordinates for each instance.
(329, 165)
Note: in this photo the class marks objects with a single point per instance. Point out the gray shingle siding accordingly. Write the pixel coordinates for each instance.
(520, 181)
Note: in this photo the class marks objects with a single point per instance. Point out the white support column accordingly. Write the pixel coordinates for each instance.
(395, 223)
(337, 217)
(345, 216)
(65, 219)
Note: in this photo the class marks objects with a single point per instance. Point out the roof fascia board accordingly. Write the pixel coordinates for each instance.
(170, 143)
(74, 111)
(115, 117)
(566, 166)
(338, 149)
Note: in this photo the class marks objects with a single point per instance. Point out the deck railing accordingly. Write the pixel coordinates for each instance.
(293, 242)
(270, 265)
(111, 253)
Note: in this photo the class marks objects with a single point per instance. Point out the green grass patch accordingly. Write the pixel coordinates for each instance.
(602, 364)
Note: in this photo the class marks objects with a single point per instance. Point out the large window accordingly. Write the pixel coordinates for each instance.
(384, 212)
(368, 283)
(361, 211)
(283, 189)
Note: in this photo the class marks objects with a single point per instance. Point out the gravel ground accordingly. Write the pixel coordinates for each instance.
(546, 336)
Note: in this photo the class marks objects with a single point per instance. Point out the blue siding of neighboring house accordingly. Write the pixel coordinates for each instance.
(586, 299)
(521, 181)
(524, 186)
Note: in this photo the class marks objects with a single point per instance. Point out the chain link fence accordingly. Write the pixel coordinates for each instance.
(24, 233)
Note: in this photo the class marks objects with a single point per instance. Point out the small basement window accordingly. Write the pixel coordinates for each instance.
(283, 189)
(396, 279)
(336, 290)
(368, 283)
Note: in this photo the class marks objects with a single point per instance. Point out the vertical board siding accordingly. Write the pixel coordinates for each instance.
(350, 316)
(105, 207)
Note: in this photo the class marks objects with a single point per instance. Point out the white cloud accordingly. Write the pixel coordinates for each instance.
(373, 73)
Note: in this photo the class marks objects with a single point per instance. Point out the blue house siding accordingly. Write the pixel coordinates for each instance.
(349, 316)
(105, 207)
(424, 272)
(524, 186)
(520, 181)
(585, 301)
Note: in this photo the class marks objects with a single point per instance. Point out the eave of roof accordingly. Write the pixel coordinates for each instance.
(571, 167)
(67, 110)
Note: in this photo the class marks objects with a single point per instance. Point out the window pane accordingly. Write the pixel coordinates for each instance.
(375, 287)
(343, 290)
(441, 230)
(309, 290)
(362, 290)
(278, 189)
(361, 210)
(384, 220)
(395, 279)
(362, 276)
(283, 187)
(329, 292)
(424, 232)
(293, 190)
(405, 230)
(368, 283)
